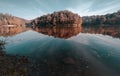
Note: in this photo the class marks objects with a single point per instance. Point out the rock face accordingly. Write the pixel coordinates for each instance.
(57, 18)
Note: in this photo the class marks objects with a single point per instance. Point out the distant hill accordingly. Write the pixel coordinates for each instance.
(10, 25)
(57, 18)
(6, 19)
(108, 19)
(61, 18)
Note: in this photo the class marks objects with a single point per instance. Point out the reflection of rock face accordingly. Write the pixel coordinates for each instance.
(61, 32)
(8, 30)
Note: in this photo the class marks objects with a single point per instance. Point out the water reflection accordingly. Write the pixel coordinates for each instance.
(10, 30)
(81, 55)
(67, 32)
(113, 31)
(60, 32)
(64, 32)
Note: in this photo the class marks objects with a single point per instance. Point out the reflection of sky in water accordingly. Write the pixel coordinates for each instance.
(96, 48)
(105, 48)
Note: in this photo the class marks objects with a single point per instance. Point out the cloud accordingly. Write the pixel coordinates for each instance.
(96, 7)
(102, 4)
(33, 8)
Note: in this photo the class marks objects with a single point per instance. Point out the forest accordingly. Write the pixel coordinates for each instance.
(108, 19)
(7, 19)
(61, 17)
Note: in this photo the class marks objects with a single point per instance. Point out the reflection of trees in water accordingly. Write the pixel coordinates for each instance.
(11, 30)
(64, 32)
(105, 30)
(67, 32)
(61, 32)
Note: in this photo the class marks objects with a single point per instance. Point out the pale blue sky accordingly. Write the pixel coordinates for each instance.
(30, 9)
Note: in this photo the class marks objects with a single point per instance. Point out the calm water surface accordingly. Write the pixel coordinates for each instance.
(96, 53)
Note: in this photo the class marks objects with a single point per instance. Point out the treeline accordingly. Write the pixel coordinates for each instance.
(108, 19)
(6, 19)
(61, 17)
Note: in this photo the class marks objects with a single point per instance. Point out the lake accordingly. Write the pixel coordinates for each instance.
(66, 51)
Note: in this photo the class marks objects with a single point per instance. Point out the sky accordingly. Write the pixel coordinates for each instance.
(30, 9)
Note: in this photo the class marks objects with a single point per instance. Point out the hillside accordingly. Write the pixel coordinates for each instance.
(108, 19)
(61, 18)
(11, 25)
(6, 19)
(57, 18)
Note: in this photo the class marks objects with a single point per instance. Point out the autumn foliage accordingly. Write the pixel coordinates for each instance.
(6, 19)
(108, 19)
(61, 17)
